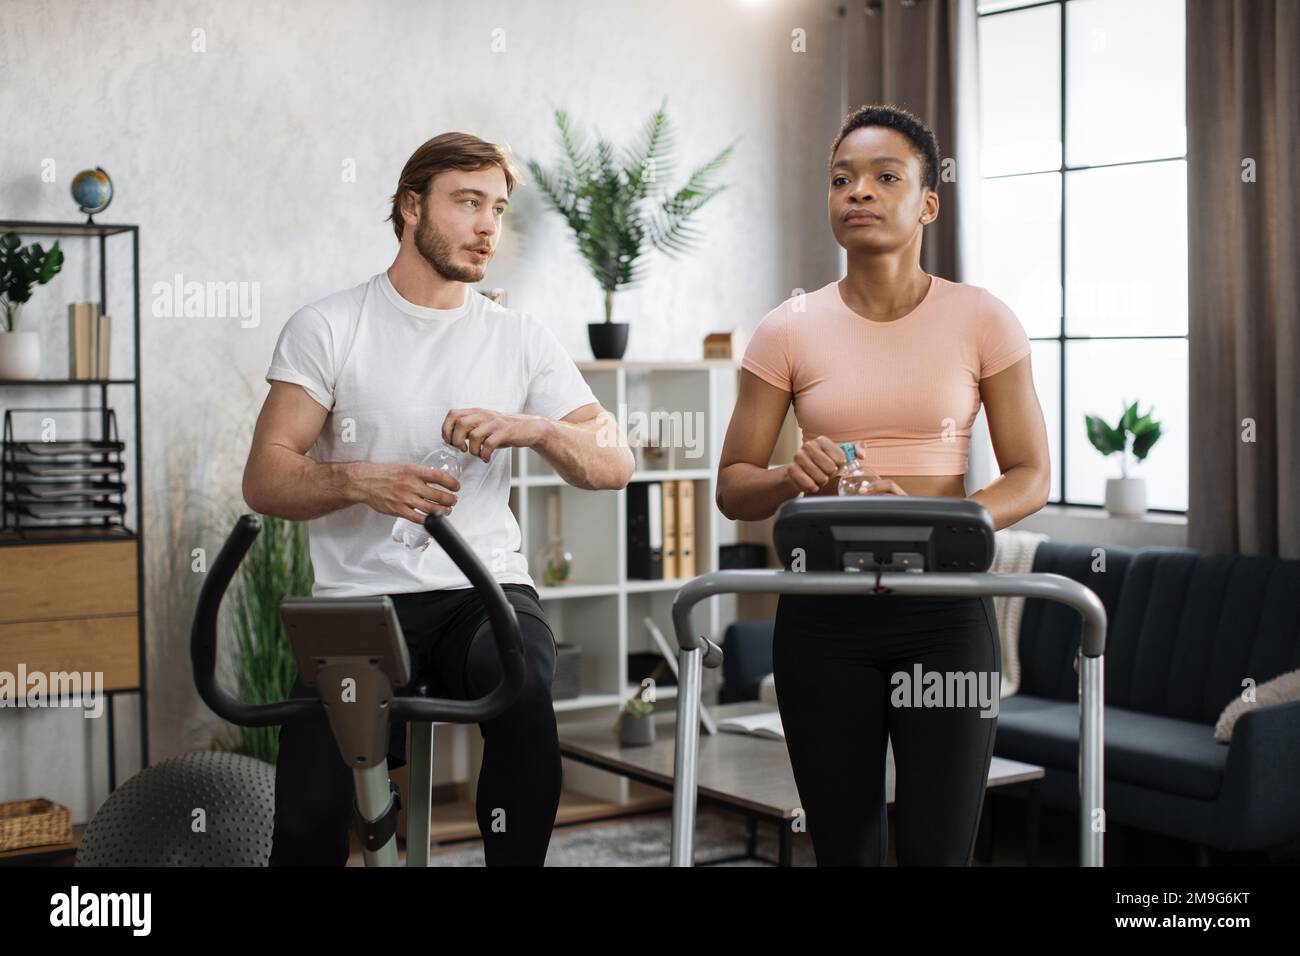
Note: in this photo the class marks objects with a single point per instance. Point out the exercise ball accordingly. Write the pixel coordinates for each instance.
(200, 809)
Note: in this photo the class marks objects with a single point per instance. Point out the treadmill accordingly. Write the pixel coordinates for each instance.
(885, 544)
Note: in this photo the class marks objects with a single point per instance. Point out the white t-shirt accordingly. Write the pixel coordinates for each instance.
(389, 371)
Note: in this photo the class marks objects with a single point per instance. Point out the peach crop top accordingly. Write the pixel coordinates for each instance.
(908, 389)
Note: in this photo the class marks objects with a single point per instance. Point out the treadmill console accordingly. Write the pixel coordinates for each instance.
(884, 533)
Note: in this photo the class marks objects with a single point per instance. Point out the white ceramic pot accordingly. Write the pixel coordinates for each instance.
(20, 355)
(1126, 497)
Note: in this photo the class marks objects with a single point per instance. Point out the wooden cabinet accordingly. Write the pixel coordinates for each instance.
(71, 607)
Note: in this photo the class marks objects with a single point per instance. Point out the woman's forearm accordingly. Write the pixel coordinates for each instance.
(747, 492)
(1016, 493)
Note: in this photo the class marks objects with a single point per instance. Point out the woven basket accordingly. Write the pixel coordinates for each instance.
(38, 822)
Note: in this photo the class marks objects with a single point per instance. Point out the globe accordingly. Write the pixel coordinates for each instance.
(93, 190)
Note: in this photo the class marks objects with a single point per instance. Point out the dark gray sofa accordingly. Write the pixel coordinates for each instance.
(1184, 629)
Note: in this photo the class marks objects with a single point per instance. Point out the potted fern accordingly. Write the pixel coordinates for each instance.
(1125, 497)
(616, 211)
(20, 269)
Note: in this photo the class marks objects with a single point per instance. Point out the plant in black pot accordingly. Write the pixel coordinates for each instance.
(617, 211)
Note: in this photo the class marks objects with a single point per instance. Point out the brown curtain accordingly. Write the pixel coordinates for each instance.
(1243, 134)
(903, 53)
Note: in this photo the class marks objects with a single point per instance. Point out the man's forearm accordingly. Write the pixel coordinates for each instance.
(282, 483)
(591, 455)
(1016, 493)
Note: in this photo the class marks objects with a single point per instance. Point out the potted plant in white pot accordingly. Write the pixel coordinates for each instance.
(20, 268)
(1125, 497)
(615, 210)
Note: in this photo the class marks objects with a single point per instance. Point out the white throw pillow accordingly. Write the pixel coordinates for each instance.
(1280, 690)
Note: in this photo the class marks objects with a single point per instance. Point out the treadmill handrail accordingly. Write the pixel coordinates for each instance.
(1055, 587)
(1052, 587)
(501, 614)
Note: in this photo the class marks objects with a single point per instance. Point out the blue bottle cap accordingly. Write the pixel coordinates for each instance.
(850, 450)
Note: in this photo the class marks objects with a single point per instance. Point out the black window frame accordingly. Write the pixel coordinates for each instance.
(1061, 338)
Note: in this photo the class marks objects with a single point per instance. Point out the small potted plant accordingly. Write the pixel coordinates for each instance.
(20, 269)
(1125, 497)
(637, 722)
(615, 210)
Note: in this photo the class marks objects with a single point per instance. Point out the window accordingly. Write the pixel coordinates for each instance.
(1084, 221)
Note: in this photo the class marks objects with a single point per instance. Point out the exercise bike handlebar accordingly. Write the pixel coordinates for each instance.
(505, 631)
(203, 639)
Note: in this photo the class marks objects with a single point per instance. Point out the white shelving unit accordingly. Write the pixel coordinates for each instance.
(599, 609)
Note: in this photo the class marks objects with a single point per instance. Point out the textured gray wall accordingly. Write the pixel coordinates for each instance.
(231, 161)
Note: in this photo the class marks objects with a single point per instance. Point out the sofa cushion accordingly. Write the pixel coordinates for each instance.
(1184, 628)
(1161, 753)
(746, 658)
(1050, 631)
(1192, 626)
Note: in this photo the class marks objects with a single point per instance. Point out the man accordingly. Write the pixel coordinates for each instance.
(370, 380)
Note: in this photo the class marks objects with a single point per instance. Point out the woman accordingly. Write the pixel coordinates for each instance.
(898, 362)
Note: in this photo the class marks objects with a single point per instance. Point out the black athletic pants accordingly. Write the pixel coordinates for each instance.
(451, 643)
(834, 660)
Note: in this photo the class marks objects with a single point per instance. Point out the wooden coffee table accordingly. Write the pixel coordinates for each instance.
(752, 775)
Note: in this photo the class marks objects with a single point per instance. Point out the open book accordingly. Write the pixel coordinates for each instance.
(759, 725)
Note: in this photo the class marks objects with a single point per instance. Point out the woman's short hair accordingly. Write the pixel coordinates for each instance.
(896, 118)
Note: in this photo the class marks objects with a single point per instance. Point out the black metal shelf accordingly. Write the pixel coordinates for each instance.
(92, 229)
(6, 382)
(69, 535)
(100, 233)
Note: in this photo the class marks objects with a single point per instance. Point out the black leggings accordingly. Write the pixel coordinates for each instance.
(451, 643)
(834, 661)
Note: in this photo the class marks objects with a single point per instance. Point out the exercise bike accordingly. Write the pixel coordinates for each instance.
(885, 545)
(217, 809)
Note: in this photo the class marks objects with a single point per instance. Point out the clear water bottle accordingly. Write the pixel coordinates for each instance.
(854, 476)
(407, 532)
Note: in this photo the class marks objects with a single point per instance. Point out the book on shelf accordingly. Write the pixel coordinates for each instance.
(645, 532)
(661, 530)
(685, 529)
(102, 330)
(669, 510)
(89, 335)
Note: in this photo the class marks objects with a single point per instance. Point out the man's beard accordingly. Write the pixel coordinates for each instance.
(438, 251)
